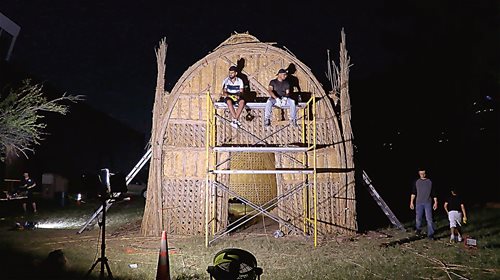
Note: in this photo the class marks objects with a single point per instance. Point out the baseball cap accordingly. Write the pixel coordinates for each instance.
(281, 71)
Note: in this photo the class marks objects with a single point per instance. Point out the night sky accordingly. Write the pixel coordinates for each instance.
(418, 66)
(105, 50)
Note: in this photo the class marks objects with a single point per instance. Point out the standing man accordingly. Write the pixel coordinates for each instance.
(424, 194)
(232, 88)
(279, 94)
(27, 186)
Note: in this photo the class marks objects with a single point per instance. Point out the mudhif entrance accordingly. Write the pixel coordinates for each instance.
(293, 175)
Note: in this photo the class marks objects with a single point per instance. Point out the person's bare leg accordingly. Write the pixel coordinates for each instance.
(34, 207)
(24, 207)
(231, 108)
(241, 106)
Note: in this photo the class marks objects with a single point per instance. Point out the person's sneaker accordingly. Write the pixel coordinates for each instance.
(459, 238)
(418, 232)
(452, 238)
(267, 122)
(431, 237)
(234, 124)
(293, 123)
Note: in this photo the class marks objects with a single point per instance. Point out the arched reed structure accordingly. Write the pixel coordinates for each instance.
(180, 199)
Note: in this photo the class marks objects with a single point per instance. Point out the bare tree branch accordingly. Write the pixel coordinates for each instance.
(21, 125)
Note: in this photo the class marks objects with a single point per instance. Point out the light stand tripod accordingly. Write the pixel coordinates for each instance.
(103, 259)
(104, 198)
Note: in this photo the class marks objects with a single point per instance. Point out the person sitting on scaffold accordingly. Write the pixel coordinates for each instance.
(232, 89)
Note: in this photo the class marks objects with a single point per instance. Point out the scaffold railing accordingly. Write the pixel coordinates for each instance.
(308, 172)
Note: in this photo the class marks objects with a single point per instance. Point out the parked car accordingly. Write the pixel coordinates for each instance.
(137, 187)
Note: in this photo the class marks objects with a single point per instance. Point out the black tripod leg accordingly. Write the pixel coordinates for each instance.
(92, 268)
(108, 269)
(103, 260)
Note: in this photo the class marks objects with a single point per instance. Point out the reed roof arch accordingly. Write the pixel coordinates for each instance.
(243, 44)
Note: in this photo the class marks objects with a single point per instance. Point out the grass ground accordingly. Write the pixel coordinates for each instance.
(363, 256)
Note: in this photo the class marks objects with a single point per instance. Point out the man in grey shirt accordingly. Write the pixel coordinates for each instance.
(279, 94)
(424, 194)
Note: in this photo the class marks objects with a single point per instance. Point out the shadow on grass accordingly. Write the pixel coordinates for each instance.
(17, 265)
(21, 266)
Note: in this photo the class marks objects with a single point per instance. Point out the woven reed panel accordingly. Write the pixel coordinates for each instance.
(329, 214)
(184, 190)
(182, 162)
(324, 132)
(184, 134)
(203, 111)
(220, 200)
(182, 106)
(290, 208)
(258, 188)
(321, 113)
(350, 211)
(184, 206)
(196, 104)
(218, 204)
(206, 79)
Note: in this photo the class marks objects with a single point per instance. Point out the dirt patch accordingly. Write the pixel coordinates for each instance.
(129, 228)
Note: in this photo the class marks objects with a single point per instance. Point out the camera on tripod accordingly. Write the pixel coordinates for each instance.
(110, 183)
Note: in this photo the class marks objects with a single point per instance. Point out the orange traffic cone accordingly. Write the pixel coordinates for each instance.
(163, 271)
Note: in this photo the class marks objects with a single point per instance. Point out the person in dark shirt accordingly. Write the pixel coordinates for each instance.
(27, 187)
(455, 208)
(421, 198)
(279, 95)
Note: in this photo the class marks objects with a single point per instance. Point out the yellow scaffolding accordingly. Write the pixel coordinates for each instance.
(308, 138)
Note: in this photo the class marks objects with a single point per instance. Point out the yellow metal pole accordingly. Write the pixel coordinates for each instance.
(307, 139)
(214, 127)
(304, 162)
(207, 181)
(303, 123)
(314, 175)
(213, 143)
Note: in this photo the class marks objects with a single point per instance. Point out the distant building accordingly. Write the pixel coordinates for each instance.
(8, 35)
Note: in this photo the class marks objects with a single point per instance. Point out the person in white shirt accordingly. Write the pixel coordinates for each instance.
(232, 89)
